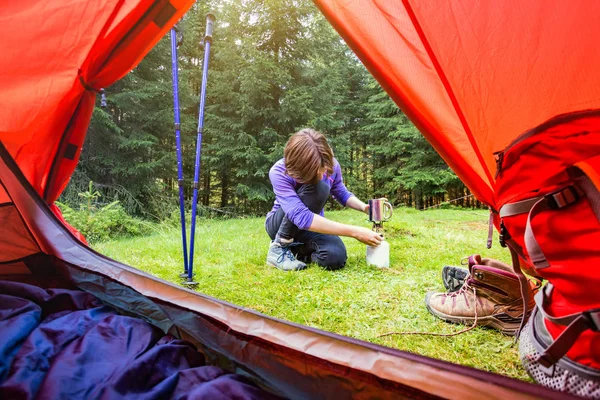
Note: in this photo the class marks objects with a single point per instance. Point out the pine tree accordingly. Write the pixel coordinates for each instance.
(276, 66)
(404, 165)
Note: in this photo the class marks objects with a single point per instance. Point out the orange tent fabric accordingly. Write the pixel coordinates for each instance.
(55, 56)
(472, 75)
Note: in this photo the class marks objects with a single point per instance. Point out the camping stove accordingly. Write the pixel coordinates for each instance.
(380, 210)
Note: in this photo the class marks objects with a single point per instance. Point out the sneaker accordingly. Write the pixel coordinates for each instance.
(454, 277)
(491, 292)
(281, 257)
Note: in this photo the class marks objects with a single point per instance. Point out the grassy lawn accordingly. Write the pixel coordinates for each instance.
(357, 301)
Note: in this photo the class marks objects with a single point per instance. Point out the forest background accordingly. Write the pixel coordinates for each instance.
(276, 66)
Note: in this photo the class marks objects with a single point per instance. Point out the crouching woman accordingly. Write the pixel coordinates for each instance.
(303, 181)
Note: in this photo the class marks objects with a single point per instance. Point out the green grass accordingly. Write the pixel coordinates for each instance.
(357, 301)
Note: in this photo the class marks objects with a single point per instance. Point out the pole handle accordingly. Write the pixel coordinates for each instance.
(178, 35)
(210, 20)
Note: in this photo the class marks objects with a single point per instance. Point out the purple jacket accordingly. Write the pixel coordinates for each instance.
(286, 197)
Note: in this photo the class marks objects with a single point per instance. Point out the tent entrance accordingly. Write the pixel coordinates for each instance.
(289, 359)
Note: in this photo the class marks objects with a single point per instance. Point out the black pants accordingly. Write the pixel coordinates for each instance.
(326, 250)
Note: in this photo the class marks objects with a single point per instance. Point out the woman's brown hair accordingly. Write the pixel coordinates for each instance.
(306, 154)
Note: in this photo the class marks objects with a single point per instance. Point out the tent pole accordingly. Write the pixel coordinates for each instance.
(207, 42)
(176, 117)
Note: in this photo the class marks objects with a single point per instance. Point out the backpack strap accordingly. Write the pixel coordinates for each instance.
(582, 175)
(518, 207)
(576, 324)
(586, 183)
(586, 177)
(523, 283)
(553, 201)
(491, 228)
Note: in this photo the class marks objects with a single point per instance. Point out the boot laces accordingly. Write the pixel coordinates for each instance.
(287, 252)
(467, 329)
(462, 291)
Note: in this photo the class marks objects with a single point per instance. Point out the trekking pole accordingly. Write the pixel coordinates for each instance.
(210, 19)
(176, 117)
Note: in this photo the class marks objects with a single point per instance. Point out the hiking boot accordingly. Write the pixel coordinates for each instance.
(281, 257)
(491, 294)
(454, 277)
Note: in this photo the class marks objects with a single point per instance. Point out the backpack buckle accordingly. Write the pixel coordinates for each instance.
(562, 198)
(592, 317)
(504, 235)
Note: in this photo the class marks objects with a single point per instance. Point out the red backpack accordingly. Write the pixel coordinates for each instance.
(548, 183)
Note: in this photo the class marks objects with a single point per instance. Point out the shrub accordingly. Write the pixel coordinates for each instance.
(99, 223)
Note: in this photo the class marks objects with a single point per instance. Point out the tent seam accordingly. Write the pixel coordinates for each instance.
(56, 160)
(449, 90)
(31, 235)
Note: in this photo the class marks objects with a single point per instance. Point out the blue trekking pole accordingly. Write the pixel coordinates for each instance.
(174, 44)
(210, 19)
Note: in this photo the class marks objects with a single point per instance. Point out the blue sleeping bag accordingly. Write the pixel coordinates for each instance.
(65, 344)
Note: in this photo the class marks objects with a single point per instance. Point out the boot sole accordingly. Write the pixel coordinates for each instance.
(285, 270)
(507, 328)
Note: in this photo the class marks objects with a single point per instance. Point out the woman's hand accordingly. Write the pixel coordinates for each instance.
(326, 226)
(367, 236)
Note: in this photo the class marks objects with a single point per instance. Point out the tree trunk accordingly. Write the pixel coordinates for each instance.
(224, 189)
(418, 200)
(206, 194)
